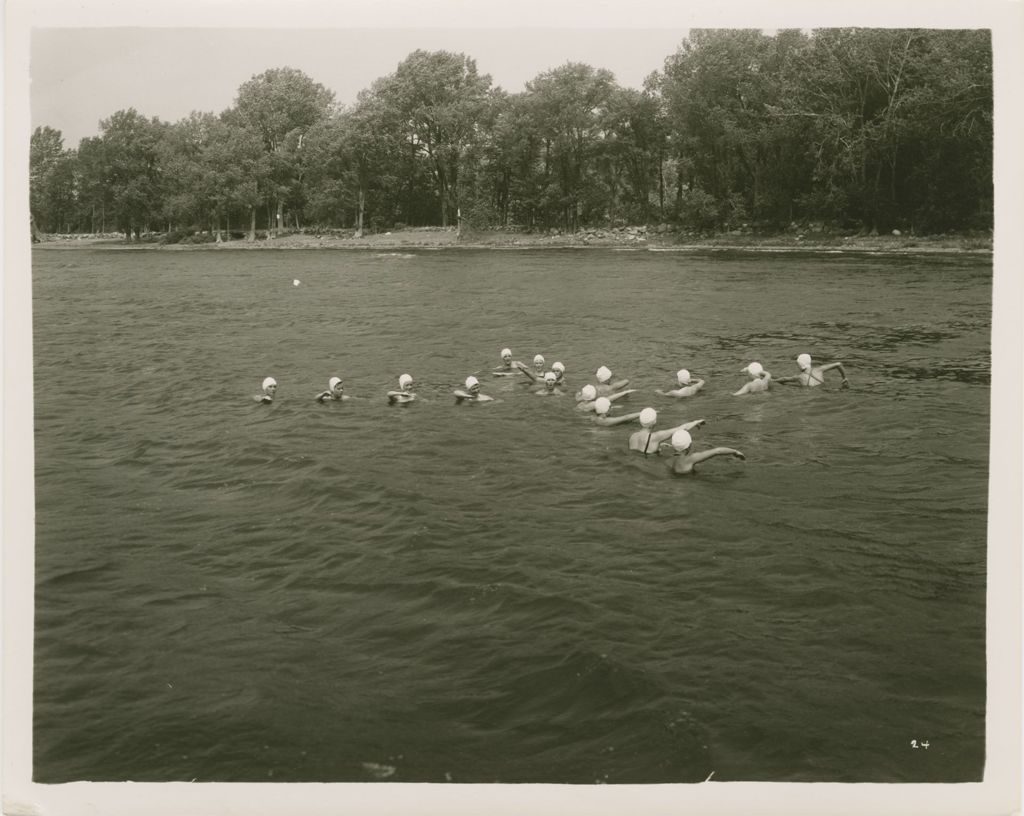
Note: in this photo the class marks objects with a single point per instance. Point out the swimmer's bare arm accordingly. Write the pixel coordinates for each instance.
(744, 390)
(660, 436)
(400, 396)
(700, 457)
(787, 380)
(618, 384)
(842, 372)
(685, 391)
(620, 394)
(524, 370)
(609, 421)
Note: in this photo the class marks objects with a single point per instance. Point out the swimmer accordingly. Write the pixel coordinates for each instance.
(335, 391)
(686, 388)
(404, 393)
(472, 392)
(647, 440)
(812, 376)
(559, 370)
(605, 386)
(683, 461)
(508, 365)
(537, 373)
(762, 380)
(601, 408)
(549, 389)
(586, 400)
(269, 390)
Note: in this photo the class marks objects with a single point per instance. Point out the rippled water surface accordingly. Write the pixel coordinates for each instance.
(503, 592)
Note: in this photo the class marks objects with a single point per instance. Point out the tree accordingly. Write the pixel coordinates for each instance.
(279, 107)
(51, 189)
(435, 100)
(134, 174)
(565, 108)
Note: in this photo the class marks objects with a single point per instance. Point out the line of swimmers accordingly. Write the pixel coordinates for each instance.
(598, 399)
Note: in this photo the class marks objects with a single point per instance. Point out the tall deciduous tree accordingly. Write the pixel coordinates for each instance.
(436, 98)
(279, 106)
(134, 173)
(566, 107)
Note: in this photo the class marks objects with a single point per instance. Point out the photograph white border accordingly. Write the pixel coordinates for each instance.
(999, 793)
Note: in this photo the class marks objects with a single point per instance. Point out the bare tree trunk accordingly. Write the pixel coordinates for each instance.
(362, 210)
(279, 222)
(252, 224)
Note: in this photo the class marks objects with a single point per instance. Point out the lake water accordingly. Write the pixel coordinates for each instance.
(503, 592)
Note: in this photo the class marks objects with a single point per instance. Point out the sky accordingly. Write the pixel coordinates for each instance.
(79, 76)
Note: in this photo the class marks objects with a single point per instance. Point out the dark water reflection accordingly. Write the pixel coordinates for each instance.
(503, 593)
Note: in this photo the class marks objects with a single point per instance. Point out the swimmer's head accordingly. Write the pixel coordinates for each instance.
(804, 361)
(506, 354)
(683, 376)
(558, 368)
(550, 378)
(588, 392)
(754, 370)
(472, 384)
(270, 384)
(604, 374)
(405, 382)
(648, 417)
(602, 406)
(538, 360)
(335, 383)
(681, 440)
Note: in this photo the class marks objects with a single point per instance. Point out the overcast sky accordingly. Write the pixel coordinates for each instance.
(82, 75)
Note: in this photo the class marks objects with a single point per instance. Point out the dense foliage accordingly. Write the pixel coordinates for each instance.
(856, 129)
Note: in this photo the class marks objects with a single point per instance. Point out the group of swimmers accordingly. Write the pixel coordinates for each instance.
(598, 398)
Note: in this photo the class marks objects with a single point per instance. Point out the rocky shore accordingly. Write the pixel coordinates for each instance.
(661, 238)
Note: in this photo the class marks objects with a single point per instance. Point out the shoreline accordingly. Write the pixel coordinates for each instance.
(630, 239)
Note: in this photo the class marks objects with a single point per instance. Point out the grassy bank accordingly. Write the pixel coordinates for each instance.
(627, 237)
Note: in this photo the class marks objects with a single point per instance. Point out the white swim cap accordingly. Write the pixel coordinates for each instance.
(404, 380)
(683, 376)
(681, 440)
(296, 282)
(333, 381)
(506, 352)
(602, 406)
(538, 360)
(754, 369)
(558, 367)
(471, 381)
(550, 377)
(604, 374)
(648, 417)
(804, 361)
(269, 381)
(588, 392)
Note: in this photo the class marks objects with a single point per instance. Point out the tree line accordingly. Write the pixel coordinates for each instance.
(857, 129)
